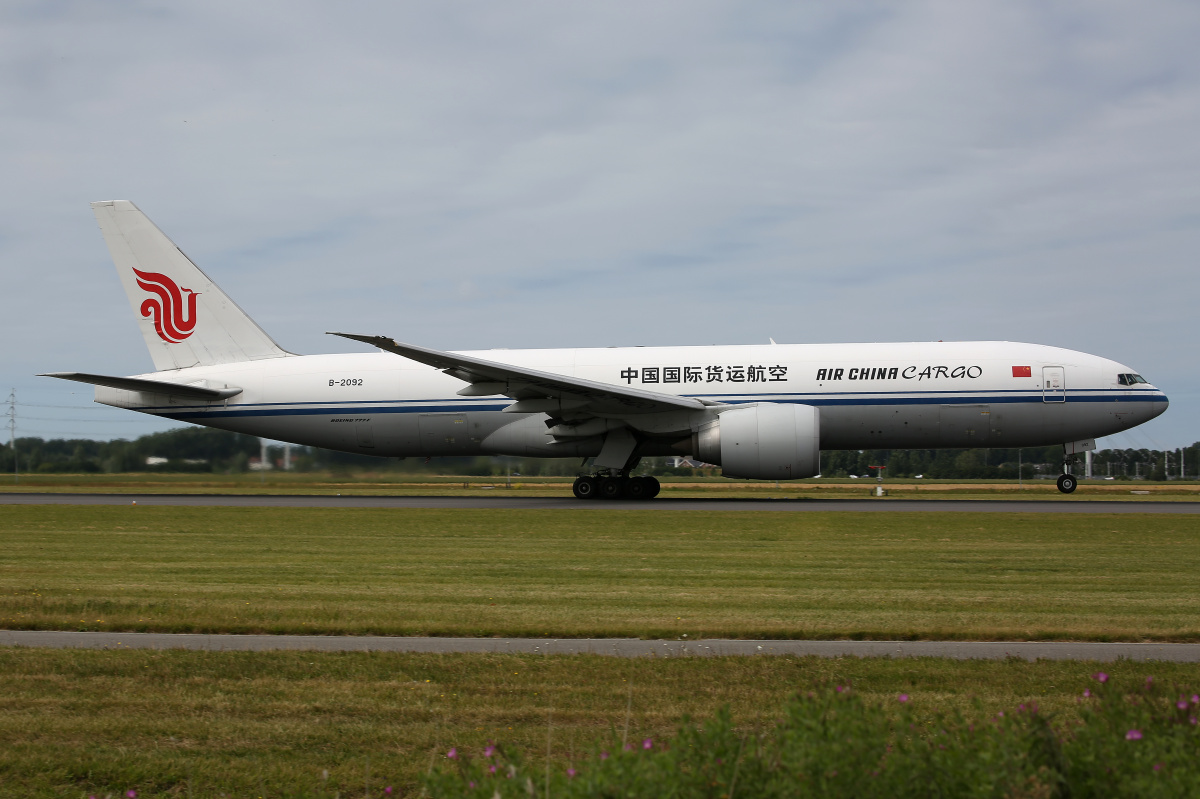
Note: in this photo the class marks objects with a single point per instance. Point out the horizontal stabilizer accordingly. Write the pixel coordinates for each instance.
(153, 386)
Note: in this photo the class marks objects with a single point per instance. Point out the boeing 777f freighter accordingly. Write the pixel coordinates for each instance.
(760, 412)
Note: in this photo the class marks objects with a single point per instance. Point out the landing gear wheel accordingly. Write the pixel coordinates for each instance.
(612, 488)
(637, 488)
(585, 488)
(1067, 483)
(652, 487)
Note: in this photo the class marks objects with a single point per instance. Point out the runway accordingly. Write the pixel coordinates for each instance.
(880, 505)
(616, 647)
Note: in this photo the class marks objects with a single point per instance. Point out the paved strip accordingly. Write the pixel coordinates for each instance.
(570, 503)
(618, 647)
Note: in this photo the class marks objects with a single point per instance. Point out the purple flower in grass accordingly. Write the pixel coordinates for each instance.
(1182, 705)
(387, 791)
(132, 794)
(1087, 691)
(1100, 676)
(1133, 735)
(604, 755)
(1158, 766)
(648, 743)
(902, 698)
(1196, 699)
(453, 753)
(489, 751)
(571, 773)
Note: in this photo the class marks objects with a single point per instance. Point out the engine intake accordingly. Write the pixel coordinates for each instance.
(765, 441)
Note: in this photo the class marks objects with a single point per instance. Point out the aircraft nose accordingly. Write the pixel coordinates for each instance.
(1159, 406)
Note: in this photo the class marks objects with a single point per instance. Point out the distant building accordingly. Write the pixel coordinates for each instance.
(686, 463)
(155, 460)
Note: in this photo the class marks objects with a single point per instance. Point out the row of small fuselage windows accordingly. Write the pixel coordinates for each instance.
(1129, 380)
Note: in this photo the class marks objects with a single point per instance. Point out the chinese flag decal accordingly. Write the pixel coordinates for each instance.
(1022, 371)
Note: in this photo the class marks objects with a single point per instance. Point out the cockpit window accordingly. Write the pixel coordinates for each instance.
(1130, 379)
(1138, 378)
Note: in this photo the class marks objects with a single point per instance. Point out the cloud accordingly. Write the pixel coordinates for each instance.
(534, 174)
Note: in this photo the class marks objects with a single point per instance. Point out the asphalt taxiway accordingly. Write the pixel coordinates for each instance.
(617, 647)
(499, 502)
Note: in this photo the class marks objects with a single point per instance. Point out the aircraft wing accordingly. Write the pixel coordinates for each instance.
(535, 391)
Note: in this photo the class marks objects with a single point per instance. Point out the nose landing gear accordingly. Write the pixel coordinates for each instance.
(615, 485)
(1067, 482)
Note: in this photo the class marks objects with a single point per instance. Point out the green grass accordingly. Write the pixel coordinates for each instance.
(76, 722)
(594, 573)
(386, 483)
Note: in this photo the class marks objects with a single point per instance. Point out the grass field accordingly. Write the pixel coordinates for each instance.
(76, 723)
(176, 724)
(653, 574)
(410, 484)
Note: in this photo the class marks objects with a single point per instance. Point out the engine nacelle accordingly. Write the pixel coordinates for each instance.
(765, 441)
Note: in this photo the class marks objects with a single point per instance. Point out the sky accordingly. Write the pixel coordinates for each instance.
(540, 174)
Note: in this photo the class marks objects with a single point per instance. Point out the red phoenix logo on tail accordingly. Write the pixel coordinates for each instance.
(172, 322)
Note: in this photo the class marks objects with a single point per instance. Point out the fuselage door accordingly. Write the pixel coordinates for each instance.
(364, 435)
(1054, 384)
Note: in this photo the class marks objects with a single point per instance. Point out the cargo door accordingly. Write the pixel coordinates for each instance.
(965, 425)
(1054, 384)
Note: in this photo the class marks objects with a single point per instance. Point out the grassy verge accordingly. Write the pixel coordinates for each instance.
(654, 574)
(407, 484)
(75, 723)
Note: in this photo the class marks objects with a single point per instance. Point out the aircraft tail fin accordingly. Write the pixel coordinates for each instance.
(185, 318)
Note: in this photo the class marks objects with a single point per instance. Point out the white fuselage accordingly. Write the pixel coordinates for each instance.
(870, 396)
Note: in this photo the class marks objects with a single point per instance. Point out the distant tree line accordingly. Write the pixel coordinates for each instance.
(200, 449)
(1003, 464)
(186, 449)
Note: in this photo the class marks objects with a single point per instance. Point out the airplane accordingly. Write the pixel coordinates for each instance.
(760, 412)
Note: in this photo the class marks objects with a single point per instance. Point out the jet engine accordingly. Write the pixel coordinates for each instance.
(764, 441)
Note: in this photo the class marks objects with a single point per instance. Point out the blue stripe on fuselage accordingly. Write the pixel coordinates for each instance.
(865, 399)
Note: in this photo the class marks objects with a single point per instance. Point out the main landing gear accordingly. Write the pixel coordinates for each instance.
(615, 486)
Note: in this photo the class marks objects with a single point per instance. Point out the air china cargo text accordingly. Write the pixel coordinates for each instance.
(894, 372)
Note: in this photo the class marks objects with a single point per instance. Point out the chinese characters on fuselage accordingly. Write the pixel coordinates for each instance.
(705, 374)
